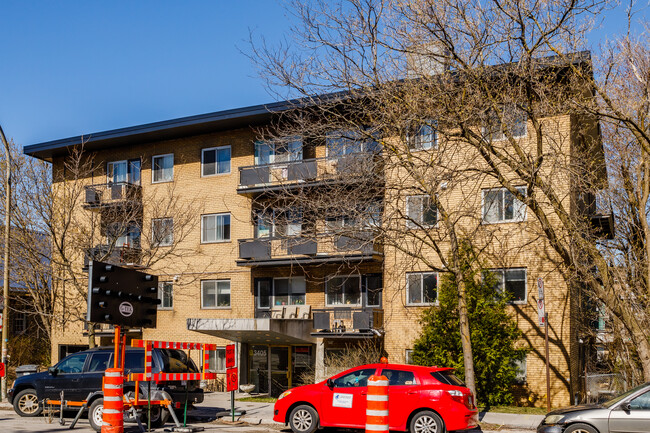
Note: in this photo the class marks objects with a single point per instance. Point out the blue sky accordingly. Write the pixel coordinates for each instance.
(74, 67)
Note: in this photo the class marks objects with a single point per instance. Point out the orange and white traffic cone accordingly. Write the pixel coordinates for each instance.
(113, 412)
(377, 405)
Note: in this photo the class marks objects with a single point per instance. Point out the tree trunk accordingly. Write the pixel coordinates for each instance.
(91, 335)
(466, 342)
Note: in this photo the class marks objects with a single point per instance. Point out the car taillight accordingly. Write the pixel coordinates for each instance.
(456, 395)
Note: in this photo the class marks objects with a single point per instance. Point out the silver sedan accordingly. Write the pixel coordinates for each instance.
(627, 413)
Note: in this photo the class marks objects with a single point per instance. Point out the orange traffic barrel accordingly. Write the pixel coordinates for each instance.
(113, 412)
(377, 405)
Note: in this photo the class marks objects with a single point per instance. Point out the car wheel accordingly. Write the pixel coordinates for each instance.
(303, 419)
(95, 414)
(26, 403)
(580, 428)
(159, 416)
(427, 422)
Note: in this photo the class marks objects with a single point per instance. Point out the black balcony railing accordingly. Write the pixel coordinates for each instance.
(110, 194)
(115, 255)
(322, 247)
(348, 167)
(348, 321)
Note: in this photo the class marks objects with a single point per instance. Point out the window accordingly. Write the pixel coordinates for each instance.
(641, 402)
(520, 368)
(421, 211)
(511, 118)
(277, 222)
(500, 205)
(289, 291)
(341, 143)
(217, 360)
(344, 290)
(421, 288)
(166, 295)
(215, 228)
(123, 235)
(513, 283)
(162, 232)
(447, 377)
(399, 377)
(354, 379)
(215, 294)
(162, 168)
(134, 360)
(215, 160)
(423, 137)
(72, 364)
(99, 361)
(408, 356)
(373, 285)
(287, 149)
(18, 322)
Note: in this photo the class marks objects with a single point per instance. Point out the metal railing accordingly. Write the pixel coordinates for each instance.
(104, 194)
(345, 320)
(124, 255)
(352, 166)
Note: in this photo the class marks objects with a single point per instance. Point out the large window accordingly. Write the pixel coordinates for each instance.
(162, 232)
(278, 222)
(215, 294)
(217, 360)
(123, 172)
(162, 168)
(18, 322)
(421, 211)
(215, 228)
(166, 295)
(424, 136)
(215, 160)
(281, 150)
(421, 288)
(340, 143)
(520, 368)
(512, 282)
(289, 291)
(344, 290)
(500, 205)
(122, 235)
(510, 118)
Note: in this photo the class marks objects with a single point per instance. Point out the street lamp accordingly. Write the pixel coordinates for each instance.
(5, 278)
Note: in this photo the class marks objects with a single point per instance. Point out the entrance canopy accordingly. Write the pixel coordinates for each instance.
(256, 331)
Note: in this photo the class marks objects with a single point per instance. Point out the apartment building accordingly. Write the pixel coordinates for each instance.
(202, 202)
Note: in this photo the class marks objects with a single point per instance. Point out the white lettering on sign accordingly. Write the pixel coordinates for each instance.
(126, 309)
(342, 400)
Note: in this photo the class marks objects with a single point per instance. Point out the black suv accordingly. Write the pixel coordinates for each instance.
(81, 373)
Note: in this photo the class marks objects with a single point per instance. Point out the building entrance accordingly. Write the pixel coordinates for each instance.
(274, 369)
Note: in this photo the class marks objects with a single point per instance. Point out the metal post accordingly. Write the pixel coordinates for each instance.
(116, 355)
(5, 278)
(232, 405)
(548, 369)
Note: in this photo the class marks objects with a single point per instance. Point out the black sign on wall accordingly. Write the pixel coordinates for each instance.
(121, 296)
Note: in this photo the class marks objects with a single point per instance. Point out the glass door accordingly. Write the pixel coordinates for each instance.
(259, 368)
(280, 369)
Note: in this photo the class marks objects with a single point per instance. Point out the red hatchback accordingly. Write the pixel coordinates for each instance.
(420, 399)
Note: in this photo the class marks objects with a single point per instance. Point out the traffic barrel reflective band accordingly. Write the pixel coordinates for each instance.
(377, 404)
(113, 411)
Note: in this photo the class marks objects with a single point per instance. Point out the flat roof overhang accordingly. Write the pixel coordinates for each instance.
(256, 331)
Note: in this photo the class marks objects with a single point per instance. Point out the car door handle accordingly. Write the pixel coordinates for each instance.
(412, 392)
(364, 392)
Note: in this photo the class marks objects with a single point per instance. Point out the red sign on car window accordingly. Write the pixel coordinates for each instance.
(231, 379)
(230, 356)
(2, 369)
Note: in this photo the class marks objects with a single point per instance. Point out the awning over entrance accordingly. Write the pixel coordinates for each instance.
(256, 331)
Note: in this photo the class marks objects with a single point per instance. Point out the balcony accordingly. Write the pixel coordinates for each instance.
(348, 322)
(111, 254)
(99, 196)
(307, 172)
(322, 248)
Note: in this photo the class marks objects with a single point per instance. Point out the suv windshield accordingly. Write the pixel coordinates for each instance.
(447, 377)
(176, 361)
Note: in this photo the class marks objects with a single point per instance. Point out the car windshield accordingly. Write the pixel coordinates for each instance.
(623, 396)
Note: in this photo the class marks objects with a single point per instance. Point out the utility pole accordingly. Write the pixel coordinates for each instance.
(5, 278)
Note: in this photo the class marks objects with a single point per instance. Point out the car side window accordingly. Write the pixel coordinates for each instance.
(399, 377)
(134, 360)
(99, 361)
(72, 364)
(642, 402)
(354, 379)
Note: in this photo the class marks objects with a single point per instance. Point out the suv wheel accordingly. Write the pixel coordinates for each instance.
(95, 414)
(427, 422)
(159, 416)
(303, 419)
(26, 403)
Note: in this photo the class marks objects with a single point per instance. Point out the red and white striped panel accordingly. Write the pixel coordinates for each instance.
(206, 361)
(147, 361)
(174, 345)
(171, 376)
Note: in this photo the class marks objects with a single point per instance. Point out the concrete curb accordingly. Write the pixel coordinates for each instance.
(526, 421)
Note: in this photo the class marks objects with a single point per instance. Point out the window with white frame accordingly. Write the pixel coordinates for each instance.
(512, 282)
(500, 205)
(344, 290)
(123, 172)
(281, 291)
(340, 143)
(215, 160)
(277, 222)
(424, 136)
(285, 149)
(520, 368)
(18, 322)
(123, 235)
(421, 211)
(510, 119)
(162, 168)
(162, 232)
(166, 295)
(215, 228)
(215, 294)
(408, 356)
(217, 360)
(421, 288)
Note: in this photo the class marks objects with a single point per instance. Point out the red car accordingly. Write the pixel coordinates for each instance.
(420, 399)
